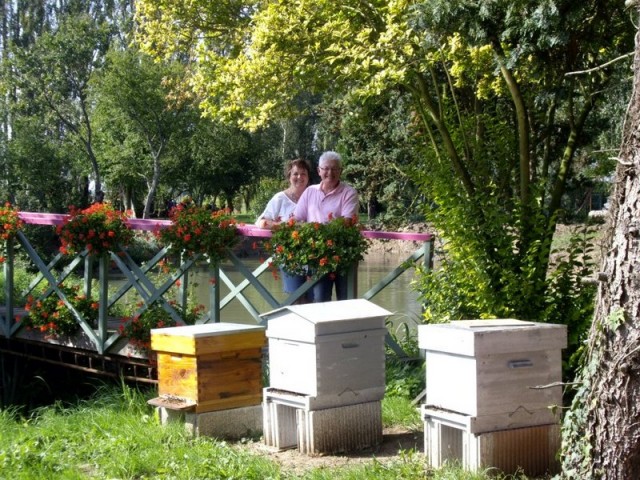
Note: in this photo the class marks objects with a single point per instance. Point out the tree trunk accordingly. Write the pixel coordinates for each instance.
(601, 432)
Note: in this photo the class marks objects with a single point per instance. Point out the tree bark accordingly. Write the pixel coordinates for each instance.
(602, 430)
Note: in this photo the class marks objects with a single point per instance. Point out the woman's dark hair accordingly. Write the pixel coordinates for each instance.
(298, 162)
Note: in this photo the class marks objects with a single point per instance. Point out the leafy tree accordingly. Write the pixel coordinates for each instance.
(53, 75)
(54, 180)
(48, 51)
(136, 105)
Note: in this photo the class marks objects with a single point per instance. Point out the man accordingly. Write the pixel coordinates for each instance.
(331, 198)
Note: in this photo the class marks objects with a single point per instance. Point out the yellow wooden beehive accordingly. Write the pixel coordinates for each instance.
(209, 367)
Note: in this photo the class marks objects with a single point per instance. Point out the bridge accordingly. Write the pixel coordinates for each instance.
(99, 347)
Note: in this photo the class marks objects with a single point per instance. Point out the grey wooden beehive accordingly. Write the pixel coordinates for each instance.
(500, 373)
(332, 353)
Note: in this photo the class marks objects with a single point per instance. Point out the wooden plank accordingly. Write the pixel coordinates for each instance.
(216, 391)
(227, 403)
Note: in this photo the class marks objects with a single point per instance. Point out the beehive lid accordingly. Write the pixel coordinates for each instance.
(479, 337)
(308, 321)
(207, 338)
(206, 330)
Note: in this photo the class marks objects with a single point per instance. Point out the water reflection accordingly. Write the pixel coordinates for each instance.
(399, 297)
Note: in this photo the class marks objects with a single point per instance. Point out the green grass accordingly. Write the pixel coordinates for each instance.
(116, 435)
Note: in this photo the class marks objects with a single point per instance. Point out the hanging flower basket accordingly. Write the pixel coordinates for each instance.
(317, 248)
(99, 228)
(195, 230)
(51, 315)
(10, 222)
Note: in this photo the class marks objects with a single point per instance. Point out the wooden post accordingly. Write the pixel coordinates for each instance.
(352, 282)
(8, 288)
(214, 292)
(88, 273)
(103, 298)
(183, 289)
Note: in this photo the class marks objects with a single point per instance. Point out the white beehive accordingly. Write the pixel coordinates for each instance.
(332, 353)
(500, 373)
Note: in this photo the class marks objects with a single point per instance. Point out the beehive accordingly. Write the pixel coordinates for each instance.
(500, 373)
(331, 353)
(212, 366)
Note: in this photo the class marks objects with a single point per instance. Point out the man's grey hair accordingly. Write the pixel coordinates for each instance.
(329, 156)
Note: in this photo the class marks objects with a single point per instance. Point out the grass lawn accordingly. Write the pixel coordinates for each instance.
(116, 435)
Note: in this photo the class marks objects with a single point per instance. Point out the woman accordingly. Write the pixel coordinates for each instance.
(331, 198)
(280, 208)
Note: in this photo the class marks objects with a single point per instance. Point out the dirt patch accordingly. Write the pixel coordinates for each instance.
(395, 441)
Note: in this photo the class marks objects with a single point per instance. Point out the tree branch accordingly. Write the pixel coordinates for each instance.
(600, 67)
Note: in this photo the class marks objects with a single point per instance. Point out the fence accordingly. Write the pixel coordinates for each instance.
(104, 337)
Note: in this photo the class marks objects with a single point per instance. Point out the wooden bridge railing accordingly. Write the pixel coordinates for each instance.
(104, 338)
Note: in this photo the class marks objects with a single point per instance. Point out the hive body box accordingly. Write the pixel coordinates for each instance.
(489, 370)
(330, 353)
(216, 366)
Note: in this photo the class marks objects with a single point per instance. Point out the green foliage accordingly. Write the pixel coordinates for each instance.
(405, 377)
(267, 188)
(317, 248)
(463, 286)
(569, 299)
(143, 246)
(198, 230)
(21, 281)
